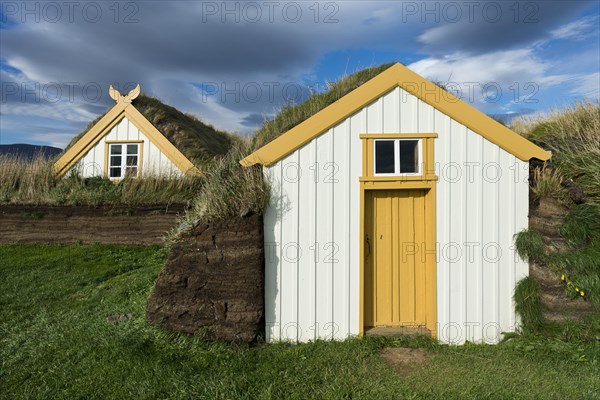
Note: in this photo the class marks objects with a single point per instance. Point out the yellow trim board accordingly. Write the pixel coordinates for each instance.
(87, 141)
(160, 141)
(105, 124)
(427, 91)
(397, 135)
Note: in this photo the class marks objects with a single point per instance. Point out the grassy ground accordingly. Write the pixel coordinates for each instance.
(55, 342)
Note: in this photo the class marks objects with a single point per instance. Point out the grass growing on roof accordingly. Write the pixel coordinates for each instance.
(573, 135)
(293, 114)
(197, 140)
(547, 182)
(24, 181)
(55, 342)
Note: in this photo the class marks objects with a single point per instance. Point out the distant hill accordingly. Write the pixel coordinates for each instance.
(29, 151)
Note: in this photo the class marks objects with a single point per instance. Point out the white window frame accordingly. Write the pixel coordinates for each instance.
(123, 155)
(397, 157)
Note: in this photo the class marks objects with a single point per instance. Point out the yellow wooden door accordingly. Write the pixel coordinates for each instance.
(395, 268)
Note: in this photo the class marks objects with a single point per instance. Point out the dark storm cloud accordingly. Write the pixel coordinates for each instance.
(169, 41)
(172, 39)
(168, 47)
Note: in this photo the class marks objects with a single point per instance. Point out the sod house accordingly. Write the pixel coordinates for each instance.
(394, 207)
(141, 136)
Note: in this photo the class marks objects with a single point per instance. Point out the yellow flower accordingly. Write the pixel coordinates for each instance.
(577, 289)
(562, 277)
(569, 283)
(582, 293)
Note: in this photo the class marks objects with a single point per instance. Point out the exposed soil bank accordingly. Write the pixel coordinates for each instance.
(72, 224)
(213, 282)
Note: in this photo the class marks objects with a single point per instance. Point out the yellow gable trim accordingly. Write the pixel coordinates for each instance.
(87, 141)
(103, 127)
(166, 147)
(430, 93)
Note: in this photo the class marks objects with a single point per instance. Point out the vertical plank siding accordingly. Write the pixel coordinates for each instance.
(312, 228)
(154, 162)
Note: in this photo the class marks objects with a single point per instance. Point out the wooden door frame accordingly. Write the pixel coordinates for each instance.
(427, 182)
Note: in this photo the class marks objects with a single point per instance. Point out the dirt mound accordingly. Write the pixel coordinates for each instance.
(404, 360)
(213, 282)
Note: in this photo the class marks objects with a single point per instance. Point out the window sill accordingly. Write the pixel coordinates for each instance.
(398, 178)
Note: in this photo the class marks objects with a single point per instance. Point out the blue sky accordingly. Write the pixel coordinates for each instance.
(234, 64)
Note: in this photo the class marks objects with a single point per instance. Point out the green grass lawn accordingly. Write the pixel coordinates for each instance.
(55, 342)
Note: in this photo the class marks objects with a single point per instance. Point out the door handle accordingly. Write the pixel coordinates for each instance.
(368, 246)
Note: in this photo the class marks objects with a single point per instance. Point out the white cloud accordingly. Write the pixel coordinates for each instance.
(587, 85)
(54, 139)
(518, 74)
(580, 29)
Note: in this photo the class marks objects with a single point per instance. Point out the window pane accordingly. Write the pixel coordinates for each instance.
(132, 160)
(115, 161)
(132, 149)
(384, 157)
(409, 156)
(115, 149)
(132, 171)
(115, 172)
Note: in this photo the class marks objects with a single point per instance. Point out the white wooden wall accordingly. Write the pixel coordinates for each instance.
(312, 228)
(154, 161)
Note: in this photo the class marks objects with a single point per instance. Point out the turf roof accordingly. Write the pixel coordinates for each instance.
(291, 114)
(197, 141)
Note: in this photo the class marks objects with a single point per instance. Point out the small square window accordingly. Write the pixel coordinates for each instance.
(397, 156)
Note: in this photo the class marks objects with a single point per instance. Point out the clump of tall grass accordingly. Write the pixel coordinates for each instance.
(24, 181)
(528, 304)
(530, 245)
(548, 182)
(581, 226)
(573, 135)
(229, 190)
(293, 114)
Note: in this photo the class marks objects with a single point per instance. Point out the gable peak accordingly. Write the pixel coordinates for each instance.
(128, 98)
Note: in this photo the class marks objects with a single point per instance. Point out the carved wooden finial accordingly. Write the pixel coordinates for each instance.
(128, 98)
